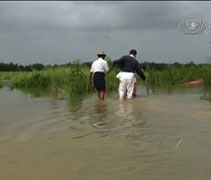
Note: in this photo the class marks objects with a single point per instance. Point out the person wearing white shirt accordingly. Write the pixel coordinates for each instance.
(97, 74)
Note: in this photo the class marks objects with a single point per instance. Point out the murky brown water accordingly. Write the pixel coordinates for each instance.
(164, 136)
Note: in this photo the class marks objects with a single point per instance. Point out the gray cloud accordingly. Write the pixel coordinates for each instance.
(56, 32)
(91, 15)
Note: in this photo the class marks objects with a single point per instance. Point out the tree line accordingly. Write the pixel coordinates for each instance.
(145, 65)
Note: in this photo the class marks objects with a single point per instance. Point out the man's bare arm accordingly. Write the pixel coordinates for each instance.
(111, 67)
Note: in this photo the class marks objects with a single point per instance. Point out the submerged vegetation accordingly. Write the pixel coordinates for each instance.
(61, 80)
(6, 76)
(175, 76)
(1, 81)
(73, 78)
(180, 75)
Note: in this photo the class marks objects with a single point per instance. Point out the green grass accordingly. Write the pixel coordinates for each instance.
(6, 76)
(206, 75)
(74, 80)
(176, 76)
(1, 81)
(62, 80)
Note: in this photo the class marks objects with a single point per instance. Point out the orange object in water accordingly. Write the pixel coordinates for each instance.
(195, 82)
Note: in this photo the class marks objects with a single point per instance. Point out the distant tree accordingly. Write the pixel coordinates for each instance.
(28, 68)
(37, 66)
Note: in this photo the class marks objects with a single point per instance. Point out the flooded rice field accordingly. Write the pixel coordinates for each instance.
(164, 136)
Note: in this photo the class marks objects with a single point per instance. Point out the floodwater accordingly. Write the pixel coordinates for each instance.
(164, 136)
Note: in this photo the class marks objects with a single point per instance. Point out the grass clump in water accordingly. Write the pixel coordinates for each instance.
(71, 80)
(176, 76)
(1, 81)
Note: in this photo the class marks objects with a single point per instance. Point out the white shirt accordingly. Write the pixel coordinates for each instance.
(99, 65)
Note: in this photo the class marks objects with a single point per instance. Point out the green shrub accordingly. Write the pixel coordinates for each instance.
(73, 80)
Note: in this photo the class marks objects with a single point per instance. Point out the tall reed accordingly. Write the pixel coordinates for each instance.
(174, 76)
(1, 81)
(6, 76)
(73, 80)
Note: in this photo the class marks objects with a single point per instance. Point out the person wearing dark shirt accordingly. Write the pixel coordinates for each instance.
(129, 66)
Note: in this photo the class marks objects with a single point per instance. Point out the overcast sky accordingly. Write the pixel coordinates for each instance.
(58, 32)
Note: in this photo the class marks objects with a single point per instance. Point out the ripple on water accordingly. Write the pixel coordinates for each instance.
(133, 139)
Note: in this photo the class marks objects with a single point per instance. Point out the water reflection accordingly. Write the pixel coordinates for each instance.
(101, 109)
(75, 103)
(131, 116)
(126, 110)
(100, 113)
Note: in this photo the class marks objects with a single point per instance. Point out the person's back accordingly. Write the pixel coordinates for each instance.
(129, 66)
(99, 65)
(97, 74)
(128, 63)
